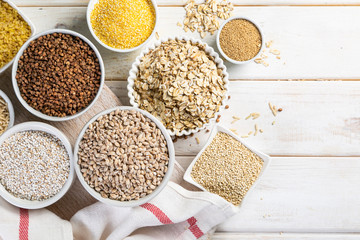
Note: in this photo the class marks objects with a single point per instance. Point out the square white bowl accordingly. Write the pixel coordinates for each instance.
(266, 159)
(32, 27)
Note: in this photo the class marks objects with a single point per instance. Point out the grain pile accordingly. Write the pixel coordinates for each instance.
(179, 83)
(34, 165)
(123, 24)
(14, 32)
(240, 40)
(204, 17)
(58, 74)
(123, 155)
(4, 116)
(227, 168)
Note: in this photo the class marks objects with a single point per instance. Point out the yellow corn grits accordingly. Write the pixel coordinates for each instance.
(123, 24)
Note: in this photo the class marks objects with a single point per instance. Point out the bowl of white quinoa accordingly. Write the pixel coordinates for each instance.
(36, 165)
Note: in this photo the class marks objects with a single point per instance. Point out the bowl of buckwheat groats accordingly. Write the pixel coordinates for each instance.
(58, 75)
(36, 165)
(124, 157)
(122, 25)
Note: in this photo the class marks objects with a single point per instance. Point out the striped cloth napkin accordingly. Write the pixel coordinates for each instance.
(175, 213)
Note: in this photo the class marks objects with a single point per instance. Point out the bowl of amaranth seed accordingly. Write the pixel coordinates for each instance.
(58, 75)
(239, 40)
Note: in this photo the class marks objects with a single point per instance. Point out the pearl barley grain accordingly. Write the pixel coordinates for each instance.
(34, 165)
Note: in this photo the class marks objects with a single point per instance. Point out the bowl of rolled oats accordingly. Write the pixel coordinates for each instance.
(7, 114)
(124, 157)
(182, 82)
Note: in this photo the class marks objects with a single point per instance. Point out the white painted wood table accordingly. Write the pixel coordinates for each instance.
(311, 190)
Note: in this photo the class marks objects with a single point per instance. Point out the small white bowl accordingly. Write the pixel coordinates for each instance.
(38, 126)
(10, 109)
(230, 59)
(209, 50)
(90, 8)
(131, 203)
(38, 113)
(32, 27)
(266, 159)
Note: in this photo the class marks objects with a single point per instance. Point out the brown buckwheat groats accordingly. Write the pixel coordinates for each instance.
(227, 168)
(123, 155)
(58, 74)
(34, 165)
(181, 84)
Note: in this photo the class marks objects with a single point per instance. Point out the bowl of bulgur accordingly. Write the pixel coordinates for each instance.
(122, 25)
(182, 81)
(124, 157)
(12, 40)
(7, 114)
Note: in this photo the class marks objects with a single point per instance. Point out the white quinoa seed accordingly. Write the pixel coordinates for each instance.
(227, 168)
(34, 165)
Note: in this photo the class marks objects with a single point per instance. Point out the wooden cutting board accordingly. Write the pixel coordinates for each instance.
(77, 197)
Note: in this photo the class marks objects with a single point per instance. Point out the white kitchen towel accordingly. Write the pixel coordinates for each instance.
(175, 213)
(23, 224)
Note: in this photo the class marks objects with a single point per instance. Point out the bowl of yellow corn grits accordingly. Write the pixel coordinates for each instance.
(122, 25)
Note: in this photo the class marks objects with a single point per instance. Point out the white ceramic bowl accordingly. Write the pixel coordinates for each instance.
(264, 157)
(219, 46)
(90, 8)
(157, 190)
(39, 126)
(32, 27)
(10, 109)
(209, 50)
(38, 113)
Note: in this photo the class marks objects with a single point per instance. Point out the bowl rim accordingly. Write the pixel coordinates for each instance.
(132, 203)
(90, 8)
(39, 126)
(210, 51)
(38, 113)
(266, 159)
(219, 45)
(10, 109)
(27, 20)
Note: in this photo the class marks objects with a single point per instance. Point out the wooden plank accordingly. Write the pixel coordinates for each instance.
(183, 2)
(285, 236)
(319, 117)
(315, 42)
(301, 195)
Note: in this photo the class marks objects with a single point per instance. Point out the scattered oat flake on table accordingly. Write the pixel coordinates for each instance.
(204, 17)
(274, 51)
(197, 140)
(157, 35)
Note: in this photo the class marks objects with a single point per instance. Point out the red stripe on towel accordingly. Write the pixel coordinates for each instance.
(157, 212)
(24, 224)
(194, 228)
